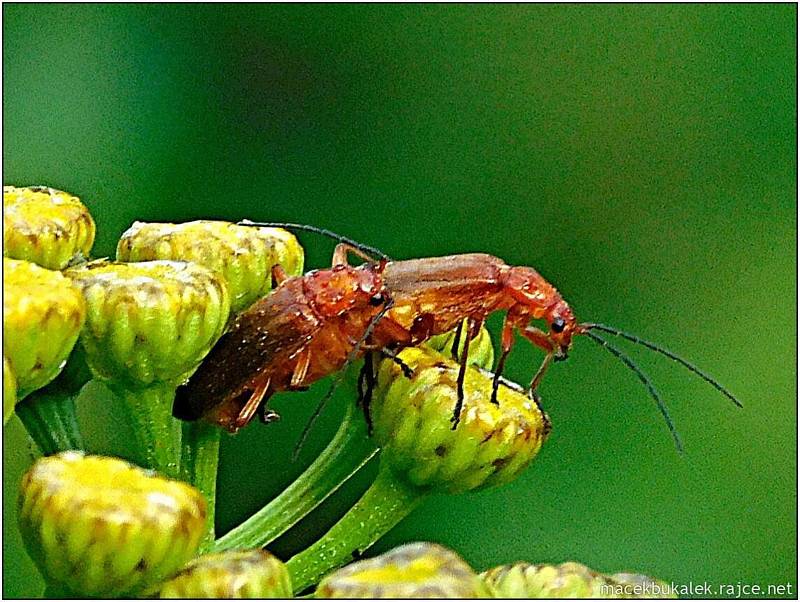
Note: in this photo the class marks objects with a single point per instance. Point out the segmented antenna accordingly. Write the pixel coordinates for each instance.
(339, 377)
(647, 383)
(666, 352)
(367, 249)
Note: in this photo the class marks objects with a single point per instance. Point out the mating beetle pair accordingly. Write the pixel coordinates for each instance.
(314, 325)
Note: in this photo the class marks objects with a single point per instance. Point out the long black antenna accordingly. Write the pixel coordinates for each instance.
(369, 250)
(647, 383)
(658, 349)
(339, 377)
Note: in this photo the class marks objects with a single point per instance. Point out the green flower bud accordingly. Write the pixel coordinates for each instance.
(415, 570)
(412, 424)
(569, 580)
(46, 226)
(101, 527)
(235, 574)
(523, 580)
(243, 255)
(149, 322)
(42, 316)
(481, 350)
(9, 390)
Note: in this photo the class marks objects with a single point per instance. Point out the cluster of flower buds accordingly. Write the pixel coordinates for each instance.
(44, 230)
(426, 570)
(243, 255)
(99, 526)
(569, 580)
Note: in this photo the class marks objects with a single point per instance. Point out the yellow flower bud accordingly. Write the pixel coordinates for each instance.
(152, 321)
(415, 570)
(234, 574)
(42, 316)
(99, 526)
(412, 422)
(45, 226)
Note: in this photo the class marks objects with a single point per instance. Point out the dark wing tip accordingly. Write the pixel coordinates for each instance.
(182, 408)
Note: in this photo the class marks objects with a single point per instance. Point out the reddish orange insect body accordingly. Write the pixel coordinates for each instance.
(433, 295)
(313, 326)
(306, 329)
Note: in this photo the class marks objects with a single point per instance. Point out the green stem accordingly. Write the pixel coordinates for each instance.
(347, 452)
(49, 413)
(49, 417)
(158, 434)
(57, 592)
(199, 460)
(385, 503)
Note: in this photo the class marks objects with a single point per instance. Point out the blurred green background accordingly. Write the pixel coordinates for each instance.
(643, 158)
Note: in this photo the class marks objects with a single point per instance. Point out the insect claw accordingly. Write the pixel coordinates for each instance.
(265, 415)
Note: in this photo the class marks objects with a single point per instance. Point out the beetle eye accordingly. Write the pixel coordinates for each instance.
(558, 325)
(376, 299)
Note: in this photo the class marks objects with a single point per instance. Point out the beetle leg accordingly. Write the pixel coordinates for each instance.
(542, 340)
(390, 331)
(279, 275)
(366, 384)
(408, 372)
(462, 372)
(301, 368)
(538, 377)
(457, 340)
(538, 337)
(474, 327)
(506, 343)
(256, 398)
(422, 327)
(501, 362)
(341, 251)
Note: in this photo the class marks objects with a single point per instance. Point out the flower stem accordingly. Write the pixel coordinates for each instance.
(347, 452)
(49, 413)
(158, 434)
(383, 505)
(199, 460)
(54, 591)
(49, 417)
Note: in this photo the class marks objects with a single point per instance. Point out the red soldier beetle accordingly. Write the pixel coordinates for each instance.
(434, 295)
(307, 328)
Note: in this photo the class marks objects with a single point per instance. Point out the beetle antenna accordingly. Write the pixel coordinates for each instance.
(367, 249)
(666, 352)
(338, 380)
(647, 383)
